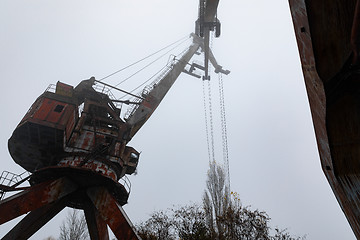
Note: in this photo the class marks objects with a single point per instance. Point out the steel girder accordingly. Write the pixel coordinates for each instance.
(43, 201)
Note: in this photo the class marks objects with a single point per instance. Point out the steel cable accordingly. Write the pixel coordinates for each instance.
(147, 65)
(187, 36)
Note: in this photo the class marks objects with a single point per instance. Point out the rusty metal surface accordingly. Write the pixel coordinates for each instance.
(330, 23)
(355, 34)
(33, 221)
(64, 89)
(85, 178)
(112, 213)
(53, 134)
(96, 224)
(96, 166)
(51, 112)
(34, 198)
(322, 31)
(100, 197)
(39, 138)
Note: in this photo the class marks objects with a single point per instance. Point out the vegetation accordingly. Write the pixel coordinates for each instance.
(74, 228)
(220, 217)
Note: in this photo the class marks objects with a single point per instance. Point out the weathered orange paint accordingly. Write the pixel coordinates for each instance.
(112, 213)
(34, 197)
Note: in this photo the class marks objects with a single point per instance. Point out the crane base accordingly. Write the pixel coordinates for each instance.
(55, 188)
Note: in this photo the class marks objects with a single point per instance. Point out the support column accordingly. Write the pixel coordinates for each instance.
(112, 213)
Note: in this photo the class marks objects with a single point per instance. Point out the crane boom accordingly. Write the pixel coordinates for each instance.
(153, 98)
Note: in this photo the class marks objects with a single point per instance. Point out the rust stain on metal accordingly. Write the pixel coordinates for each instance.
(96, 166)
(33, 198)
(334, 112)
(112, 213)
(97, 226)
(79, 135)
(77, 150)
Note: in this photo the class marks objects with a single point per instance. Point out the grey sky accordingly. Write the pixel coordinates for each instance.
(273, 155)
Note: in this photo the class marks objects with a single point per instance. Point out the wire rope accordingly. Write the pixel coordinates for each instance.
(145, 82)
(143, 58)
(147, 65)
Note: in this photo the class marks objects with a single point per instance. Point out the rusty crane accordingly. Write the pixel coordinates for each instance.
(75, 145)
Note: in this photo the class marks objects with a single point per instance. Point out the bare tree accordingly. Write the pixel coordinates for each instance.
(74, 227)
(158, 226)
(243, 223)
(222, 217)
(216, 199)
(190, 223)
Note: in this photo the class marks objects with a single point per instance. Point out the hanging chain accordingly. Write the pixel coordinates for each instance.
(211, 122)
(210, 103)
(209, 126)
(206, 121)
(224, 129)
(211, 39)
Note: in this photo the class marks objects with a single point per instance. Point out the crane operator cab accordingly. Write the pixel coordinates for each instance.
(74, 128)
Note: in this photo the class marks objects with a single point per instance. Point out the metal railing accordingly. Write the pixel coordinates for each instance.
(125, 181)
(9, 180)
(98, 87)
(106, 90)
(51, 88)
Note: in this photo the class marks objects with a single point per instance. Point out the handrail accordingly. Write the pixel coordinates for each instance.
(125, 181)
(9, 180)
(51, 88)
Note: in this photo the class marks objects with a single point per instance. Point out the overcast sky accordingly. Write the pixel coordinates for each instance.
(274, 163)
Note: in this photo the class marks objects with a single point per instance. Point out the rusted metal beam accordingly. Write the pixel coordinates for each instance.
(118, 89)
(324, 50)
(112, 213)
(355, 34)
(96, 225)
(34, 197)
(33, 221)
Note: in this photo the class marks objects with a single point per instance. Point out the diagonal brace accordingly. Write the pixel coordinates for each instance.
(33, 221)
(96, 224)
(35, 197)
(112, 213)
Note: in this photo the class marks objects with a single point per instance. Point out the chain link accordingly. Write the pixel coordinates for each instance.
(209, 126)
(206, 121)
(224, 129)
(211, 122)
